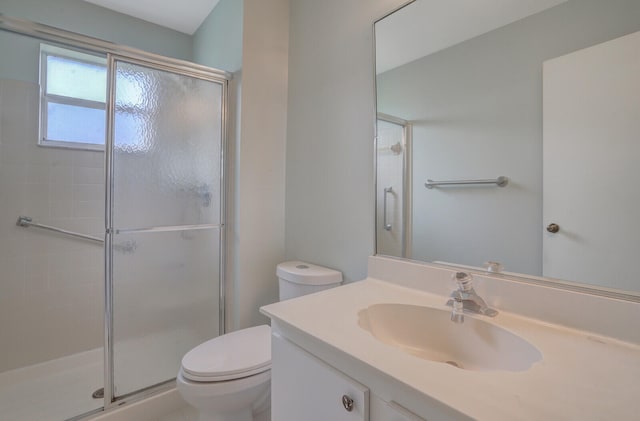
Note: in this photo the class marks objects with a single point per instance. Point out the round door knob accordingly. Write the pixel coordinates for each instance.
(347, 402)
(553, 228)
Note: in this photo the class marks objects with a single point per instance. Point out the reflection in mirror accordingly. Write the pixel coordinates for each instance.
(545, 93)
(394, 177)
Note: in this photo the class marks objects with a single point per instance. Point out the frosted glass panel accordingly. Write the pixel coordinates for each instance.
(167, 141)
(165, 302)
(167, 145)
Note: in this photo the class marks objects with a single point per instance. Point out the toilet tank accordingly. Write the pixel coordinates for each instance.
(299, 278)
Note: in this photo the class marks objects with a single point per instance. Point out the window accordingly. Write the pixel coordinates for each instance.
(73, 96)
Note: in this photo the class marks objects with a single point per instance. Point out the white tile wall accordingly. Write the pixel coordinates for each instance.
(51, 286)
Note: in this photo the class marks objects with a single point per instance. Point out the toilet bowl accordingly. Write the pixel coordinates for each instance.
(228, 378)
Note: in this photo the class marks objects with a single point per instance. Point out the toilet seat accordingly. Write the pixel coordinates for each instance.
(235, 355)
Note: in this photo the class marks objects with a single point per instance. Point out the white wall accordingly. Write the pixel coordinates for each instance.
(250, 38)
(256, 231)
(330, 129)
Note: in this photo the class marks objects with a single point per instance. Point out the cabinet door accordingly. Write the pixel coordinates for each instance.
(305, 388)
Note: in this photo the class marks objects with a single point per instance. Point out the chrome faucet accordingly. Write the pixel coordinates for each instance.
(464, 298)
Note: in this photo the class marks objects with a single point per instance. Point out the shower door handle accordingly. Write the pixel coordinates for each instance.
(387, 191)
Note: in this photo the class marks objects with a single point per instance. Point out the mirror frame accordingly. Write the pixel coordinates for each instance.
(511, 276)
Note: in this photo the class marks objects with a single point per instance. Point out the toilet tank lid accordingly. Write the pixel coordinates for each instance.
(308, 274)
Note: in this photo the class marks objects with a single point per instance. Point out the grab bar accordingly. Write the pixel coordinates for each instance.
(500, 182)
(387, 226)
(25, 221)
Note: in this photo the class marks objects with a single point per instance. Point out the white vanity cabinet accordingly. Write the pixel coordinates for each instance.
(305, 388)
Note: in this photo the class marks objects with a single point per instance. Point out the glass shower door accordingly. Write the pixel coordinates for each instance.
(165, 219)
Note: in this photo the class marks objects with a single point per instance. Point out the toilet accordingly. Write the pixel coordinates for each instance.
(228, 378)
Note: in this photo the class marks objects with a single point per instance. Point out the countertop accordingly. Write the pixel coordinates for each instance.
(581, 375)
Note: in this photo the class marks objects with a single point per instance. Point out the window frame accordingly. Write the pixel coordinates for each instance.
(78, 56)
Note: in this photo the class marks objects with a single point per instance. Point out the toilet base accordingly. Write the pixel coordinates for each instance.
(233, 400)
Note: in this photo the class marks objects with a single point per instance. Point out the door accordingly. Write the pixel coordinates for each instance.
(165, 219)
(592, 120)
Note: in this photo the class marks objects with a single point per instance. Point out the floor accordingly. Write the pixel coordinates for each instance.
(53, 390)
(186, 413)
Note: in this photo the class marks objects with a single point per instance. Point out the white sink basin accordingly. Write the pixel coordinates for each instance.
(428, 333)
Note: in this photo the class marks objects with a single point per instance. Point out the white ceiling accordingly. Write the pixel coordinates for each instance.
(427, 26)
(183, 15)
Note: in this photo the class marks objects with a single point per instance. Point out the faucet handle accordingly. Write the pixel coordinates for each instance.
(464, 280)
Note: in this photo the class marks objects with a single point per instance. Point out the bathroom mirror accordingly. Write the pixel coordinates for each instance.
(507, 131)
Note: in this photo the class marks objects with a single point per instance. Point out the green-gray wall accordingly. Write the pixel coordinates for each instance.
(218, 41)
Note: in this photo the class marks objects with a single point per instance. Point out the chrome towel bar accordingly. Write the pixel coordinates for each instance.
(500, 182)
(25, 221)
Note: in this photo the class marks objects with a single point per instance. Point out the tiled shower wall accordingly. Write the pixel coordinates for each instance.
(51, 286)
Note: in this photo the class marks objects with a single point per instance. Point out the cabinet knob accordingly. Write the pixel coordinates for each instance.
(347, 402)
(553, 228)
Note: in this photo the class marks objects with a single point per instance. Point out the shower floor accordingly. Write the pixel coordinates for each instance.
(61, 389)
(54, 390)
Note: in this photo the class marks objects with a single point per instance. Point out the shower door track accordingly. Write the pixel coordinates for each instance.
(159, 62)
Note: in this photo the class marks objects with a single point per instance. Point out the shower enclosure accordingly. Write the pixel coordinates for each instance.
(114, 267)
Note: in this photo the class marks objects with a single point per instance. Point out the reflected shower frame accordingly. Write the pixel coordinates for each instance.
(407, 179)
(159, 62)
